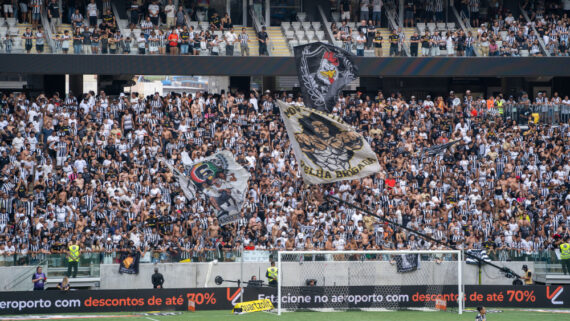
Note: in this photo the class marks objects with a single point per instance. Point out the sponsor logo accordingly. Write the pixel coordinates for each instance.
(553, 296)
(233, 297)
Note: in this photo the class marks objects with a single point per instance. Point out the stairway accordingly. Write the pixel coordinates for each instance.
(16, 33)
(278, 42)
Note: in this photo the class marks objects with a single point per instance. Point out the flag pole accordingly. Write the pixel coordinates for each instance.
(479, 260)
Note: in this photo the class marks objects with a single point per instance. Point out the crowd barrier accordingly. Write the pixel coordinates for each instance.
(96, 258)
(401, 297)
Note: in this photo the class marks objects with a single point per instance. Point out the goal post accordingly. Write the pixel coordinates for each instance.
(369, 280)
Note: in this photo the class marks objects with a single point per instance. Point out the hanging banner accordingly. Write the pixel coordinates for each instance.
(129, 263)
(327, 149)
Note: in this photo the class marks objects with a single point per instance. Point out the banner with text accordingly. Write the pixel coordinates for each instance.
(34, 302)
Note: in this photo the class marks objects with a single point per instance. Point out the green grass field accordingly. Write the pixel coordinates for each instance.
(505, 315)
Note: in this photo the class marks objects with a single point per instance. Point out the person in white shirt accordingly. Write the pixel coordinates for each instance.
(92, 13)
(360, 42)
(153, 11)
(170, 14)
(231, 39)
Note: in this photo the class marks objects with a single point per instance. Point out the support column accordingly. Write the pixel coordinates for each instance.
(75, 84)
(401, 13)
(244, 12)
(269, 83)
(267, 13)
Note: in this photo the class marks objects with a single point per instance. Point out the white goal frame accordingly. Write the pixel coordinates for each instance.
(389, 252)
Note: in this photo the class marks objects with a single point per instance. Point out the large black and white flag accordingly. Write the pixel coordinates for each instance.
(221, 179)
(327, 149)
(323, 71)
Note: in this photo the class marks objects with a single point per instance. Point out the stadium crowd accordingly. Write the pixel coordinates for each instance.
(496, 33)
(84, 167)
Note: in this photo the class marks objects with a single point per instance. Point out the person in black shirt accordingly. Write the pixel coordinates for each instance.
(157, 279)
(409, 9)
(414, 42)
(378, 43)
(263, 37)
(371, 32)
(425, 44)
(394, 38)
(53, 12)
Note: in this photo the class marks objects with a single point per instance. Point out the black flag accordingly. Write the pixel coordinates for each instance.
(406, 262)
(129, 263)
(323, 71)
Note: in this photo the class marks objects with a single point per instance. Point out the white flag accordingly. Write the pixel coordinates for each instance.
(221, 179)
(327, 149)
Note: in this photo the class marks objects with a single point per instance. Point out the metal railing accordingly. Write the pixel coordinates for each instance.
(538, 113)
(49, 32)
(326, 25)
(56, 264)
(258, 23)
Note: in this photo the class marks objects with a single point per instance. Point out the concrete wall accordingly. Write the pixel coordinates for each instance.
(16, 278)
(191, 275)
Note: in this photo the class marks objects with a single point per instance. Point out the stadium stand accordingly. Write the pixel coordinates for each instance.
(84, 166)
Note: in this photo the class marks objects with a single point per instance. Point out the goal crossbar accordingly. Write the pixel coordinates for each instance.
(459, 254)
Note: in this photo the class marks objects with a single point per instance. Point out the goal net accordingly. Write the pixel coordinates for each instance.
(369, 280)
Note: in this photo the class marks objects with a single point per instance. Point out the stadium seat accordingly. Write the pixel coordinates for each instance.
(338, 43)
(194, 24)
(306, 26)
(451, 25)
(219, 33)
(316, 25)
(310, 35)
(301, 16)
(431, 26)
(137, 32)
(296, 25)
(441, 26)
(303, 42)
(524, 53)
(11, 22)
(351, 25)
(421, 26)
(285, 26)
(300, 35)
(289, 34)
(2, 21)
(293, 43)
(320, 34)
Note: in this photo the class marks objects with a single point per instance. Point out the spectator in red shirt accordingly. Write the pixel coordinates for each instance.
(173, 42)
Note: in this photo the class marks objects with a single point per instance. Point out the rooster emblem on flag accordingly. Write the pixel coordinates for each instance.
(323, 70)
(327, 70)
